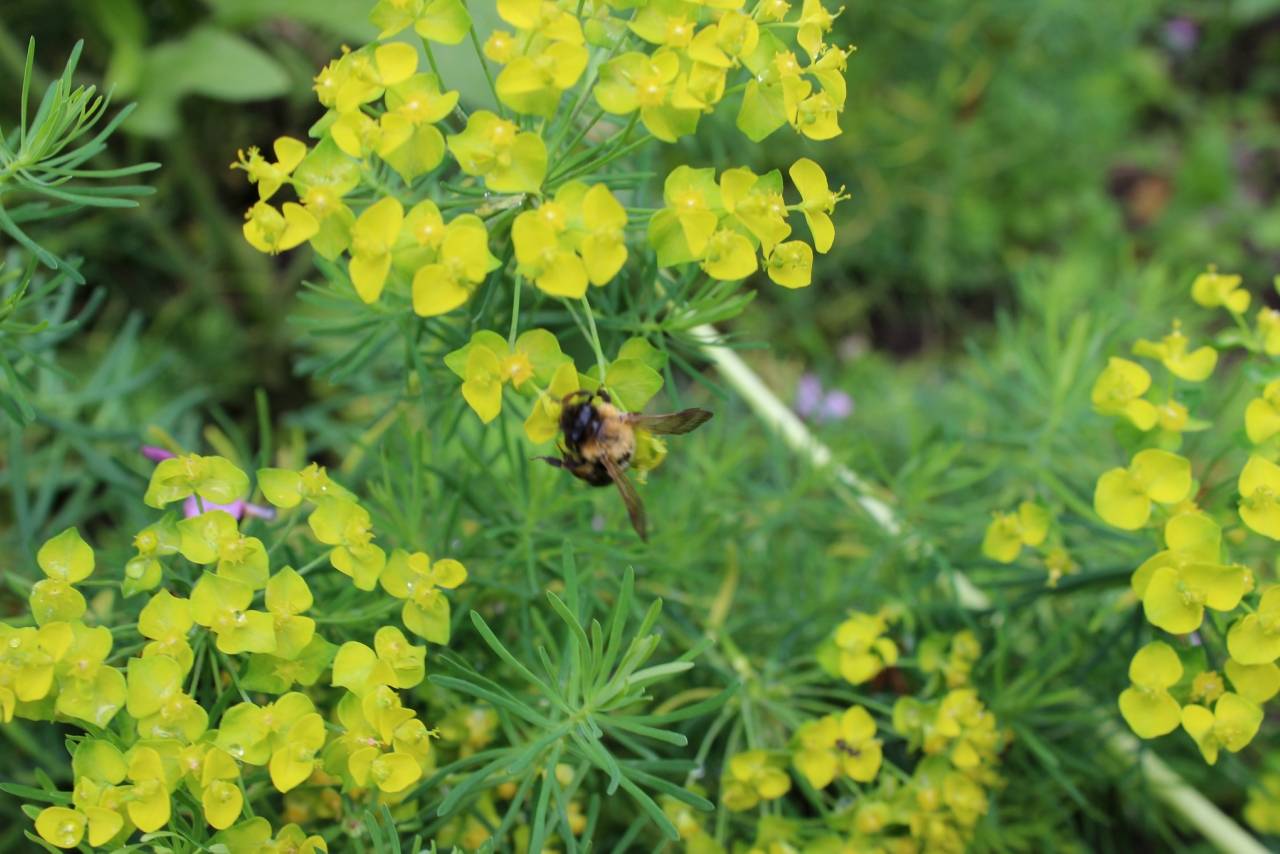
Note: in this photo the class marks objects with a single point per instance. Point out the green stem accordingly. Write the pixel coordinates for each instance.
(595, 337)
(431, 59)
(488, 75)
(515, 310)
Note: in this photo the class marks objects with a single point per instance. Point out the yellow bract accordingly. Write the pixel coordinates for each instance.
(1255, 638)
(750, 778)
(571, 240)
(1172, 351)
(1123, 496)
(1232, 724)
(863, 648)
(1146, 705)
(1259, 487)
(844, 744)
(510, 160)
(1119, 390)
(1262, 415)
(1009, 532)
(1212, 289)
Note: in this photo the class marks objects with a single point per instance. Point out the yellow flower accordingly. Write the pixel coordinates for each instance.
(1259, 487)
(1232, 724)
(372, 239)
(1255, 638)
(1175, 598)
(213, 479)
(460, 262)
(1123, 496)
(345, 525)
(863, 649)
(407, 139)
(844, 744)
(287, 598)
(1255, 682)
(680, 231)
(272, 231)
(286, 488)
(644, 82)
(602, 245)
(756, 202)
(1009, 532)
(362, 76)
(269, 177)
(1147, 705)
(88, 689)
(222, 605)
(148, 805)
(509, 160)
(817, 117)
(500, 46)
(220, 793)
(815, 23)
(774, 94)
(421, 583)
(157, 701)
(1211, 289)
(818, 201)
(395, 662)
(533, 82)
(1190, 538)
(65, 559)
(61, 826)
(750, 778)
(790, 264)
(1119, 390)
(544, 256)
(294, 759)
(443, 21)
(1262, 415)
(1269, 330)
(1194, 366)
(728, 256)
(487, 363)
(1207, 686)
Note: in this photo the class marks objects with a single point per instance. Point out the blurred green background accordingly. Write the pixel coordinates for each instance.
(1031, 183)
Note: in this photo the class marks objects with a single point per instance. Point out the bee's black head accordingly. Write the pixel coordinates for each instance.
(579, 419)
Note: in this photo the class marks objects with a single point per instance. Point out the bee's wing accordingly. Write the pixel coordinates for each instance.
(674, 422)
(631, 498)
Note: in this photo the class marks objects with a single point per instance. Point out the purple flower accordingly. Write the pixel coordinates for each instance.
(156, 453)
(237, 509)
(1181, 35)
(822, 405)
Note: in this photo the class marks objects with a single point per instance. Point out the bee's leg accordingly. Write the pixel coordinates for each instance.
(551, 461)
(603, 395)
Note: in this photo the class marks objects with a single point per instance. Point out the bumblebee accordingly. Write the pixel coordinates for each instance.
(598, 441)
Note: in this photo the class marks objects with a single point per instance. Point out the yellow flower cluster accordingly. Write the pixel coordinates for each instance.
(59, 670)
(933, 808)
(412, 190)
(951, 655)
(1031, 526)
(1192, 574)
(860, 648)
(949, 790)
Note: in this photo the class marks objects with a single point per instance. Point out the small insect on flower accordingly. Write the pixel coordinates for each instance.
(598, 440)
